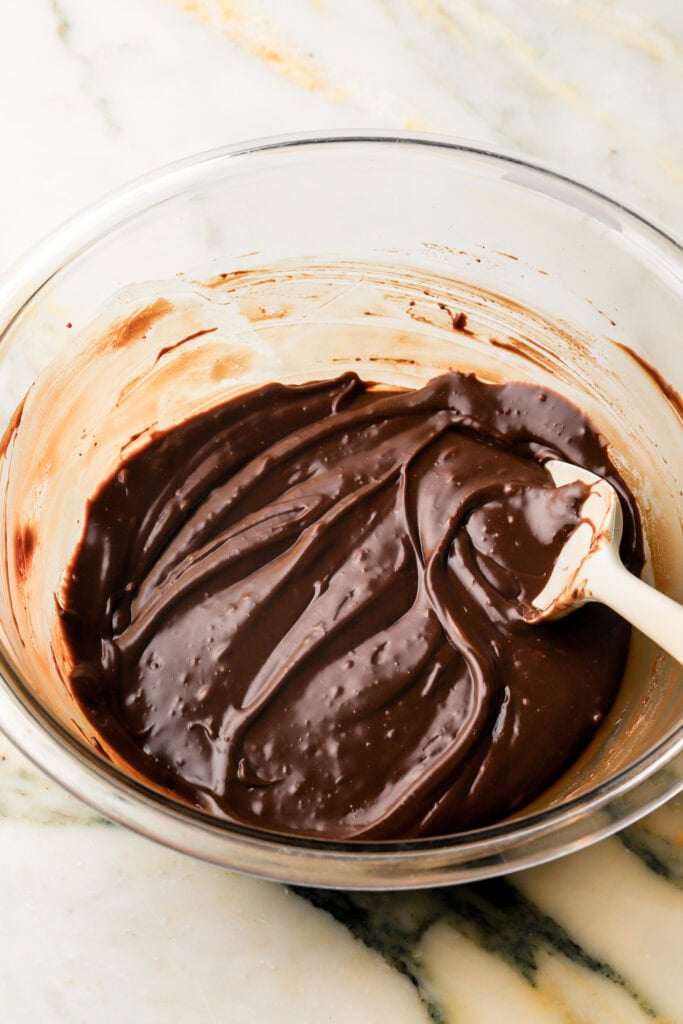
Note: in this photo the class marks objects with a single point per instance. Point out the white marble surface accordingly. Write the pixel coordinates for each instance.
(100, 925)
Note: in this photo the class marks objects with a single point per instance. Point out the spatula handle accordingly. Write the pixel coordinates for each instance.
(654, 614)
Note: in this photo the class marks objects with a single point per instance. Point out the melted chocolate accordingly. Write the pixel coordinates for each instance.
(303, 609)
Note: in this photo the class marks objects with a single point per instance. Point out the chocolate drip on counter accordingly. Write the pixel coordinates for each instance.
(303, 609)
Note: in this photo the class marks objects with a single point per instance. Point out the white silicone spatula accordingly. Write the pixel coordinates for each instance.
(588, 568)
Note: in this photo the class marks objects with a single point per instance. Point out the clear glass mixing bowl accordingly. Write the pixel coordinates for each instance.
(314, 255)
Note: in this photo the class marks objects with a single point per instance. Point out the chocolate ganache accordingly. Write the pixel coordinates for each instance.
(303, 610)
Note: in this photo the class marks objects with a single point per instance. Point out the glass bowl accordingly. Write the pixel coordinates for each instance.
(315, 255)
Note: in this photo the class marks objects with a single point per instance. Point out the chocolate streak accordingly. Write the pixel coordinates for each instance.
(303, 609)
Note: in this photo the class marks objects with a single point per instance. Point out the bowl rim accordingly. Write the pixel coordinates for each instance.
(80, 770)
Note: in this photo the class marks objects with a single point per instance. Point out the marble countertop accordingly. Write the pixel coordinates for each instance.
(101, 925)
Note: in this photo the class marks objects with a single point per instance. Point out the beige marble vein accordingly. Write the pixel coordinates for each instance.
(590, 86)
(255, 34)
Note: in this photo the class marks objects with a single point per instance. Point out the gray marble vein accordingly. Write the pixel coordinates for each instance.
(87, 66)
(492, 914)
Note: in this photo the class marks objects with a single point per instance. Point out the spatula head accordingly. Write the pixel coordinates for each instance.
(600, 526)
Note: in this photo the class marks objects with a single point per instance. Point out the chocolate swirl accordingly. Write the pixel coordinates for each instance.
(303, 609)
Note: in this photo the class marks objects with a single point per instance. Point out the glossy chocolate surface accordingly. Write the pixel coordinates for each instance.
(303, 609)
